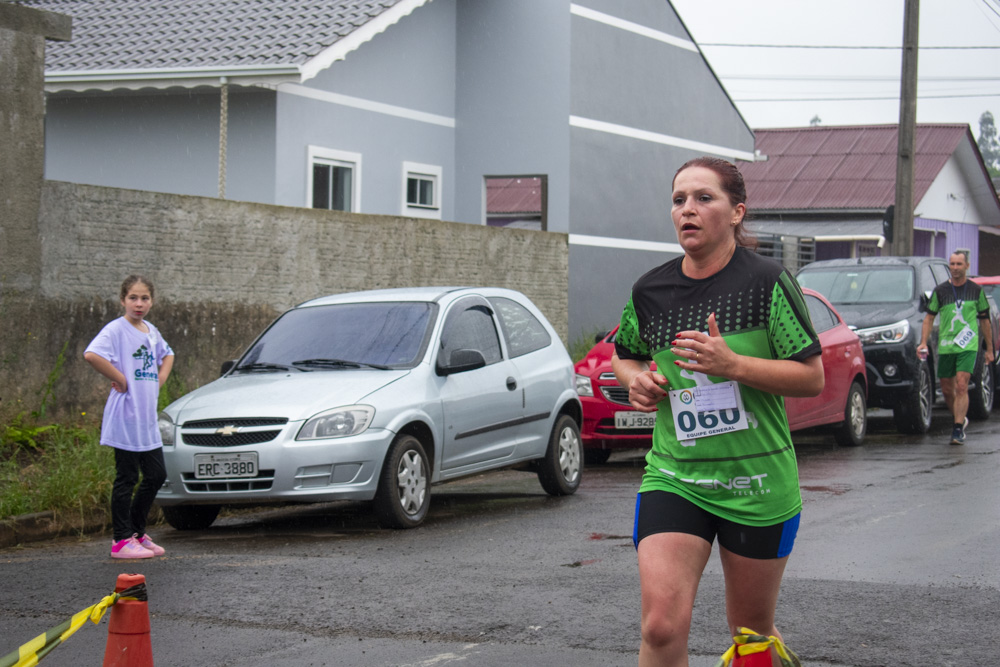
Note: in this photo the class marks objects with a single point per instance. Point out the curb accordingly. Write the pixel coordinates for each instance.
(40, 526)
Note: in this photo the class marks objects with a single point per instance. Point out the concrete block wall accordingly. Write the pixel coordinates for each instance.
(223, 270)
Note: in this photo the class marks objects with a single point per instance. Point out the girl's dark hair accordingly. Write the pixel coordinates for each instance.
(732, 183)
(132, 280)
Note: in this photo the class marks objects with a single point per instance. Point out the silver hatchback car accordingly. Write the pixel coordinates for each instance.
(376, 396)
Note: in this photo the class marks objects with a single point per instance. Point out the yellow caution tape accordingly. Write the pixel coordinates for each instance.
(31, 653)
(749, 642)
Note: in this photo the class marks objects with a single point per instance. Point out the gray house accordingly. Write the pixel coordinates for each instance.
(402, 107)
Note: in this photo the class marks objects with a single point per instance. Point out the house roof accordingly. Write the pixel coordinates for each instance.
(133, 43)
(852, 168)
(514, 195)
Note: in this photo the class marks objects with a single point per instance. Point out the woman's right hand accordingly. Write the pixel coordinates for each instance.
(645, 391)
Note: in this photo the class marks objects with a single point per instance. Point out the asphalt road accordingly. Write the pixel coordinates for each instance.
(895, 565)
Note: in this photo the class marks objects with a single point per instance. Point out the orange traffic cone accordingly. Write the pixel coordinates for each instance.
(128, 630)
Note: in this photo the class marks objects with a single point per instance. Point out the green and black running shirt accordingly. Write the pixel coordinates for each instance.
(749, 475)
(960, 308)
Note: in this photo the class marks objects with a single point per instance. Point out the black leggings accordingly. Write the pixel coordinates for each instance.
(128, 512)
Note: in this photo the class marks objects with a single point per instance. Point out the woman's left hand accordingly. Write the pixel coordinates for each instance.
(705, 353)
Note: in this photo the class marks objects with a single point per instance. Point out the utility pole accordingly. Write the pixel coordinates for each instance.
(902, 244)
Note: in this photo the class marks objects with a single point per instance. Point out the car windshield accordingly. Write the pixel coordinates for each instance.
(861, 285)
(343, 336)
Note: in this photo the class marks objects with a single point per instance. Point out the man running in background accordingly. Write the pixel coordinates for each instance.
(960, 302)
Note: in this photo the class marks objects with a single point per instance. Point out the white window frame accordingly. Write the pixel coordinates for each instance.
(431, 172)
(338, 158)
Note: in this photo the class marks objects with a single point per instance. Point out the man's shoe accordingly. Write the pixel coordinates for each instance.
(958, 435)
(129, 548)
(151, 545)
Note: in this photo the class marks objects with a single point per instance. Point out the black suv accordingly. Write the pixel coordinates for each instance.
(884, 299)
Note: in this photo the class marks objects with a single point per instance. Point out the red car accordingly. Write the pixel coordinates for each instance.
(610, 423)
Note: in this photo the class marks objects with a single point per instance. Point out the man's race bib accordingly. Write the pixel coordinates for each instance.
(703, 411)
(964, 337)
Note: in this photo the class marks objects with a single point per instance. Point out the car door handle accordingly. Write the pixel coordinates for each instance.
(511, 384)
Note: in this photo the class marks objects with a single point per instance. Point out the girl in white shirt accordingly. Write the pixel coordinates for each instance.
(131, 353)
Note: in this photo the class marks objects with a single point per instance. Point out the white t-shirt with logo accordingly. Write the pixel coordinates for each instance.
(130, 418)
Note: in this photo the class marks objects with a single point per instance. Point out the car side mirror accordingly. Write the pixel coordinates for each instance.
(924, 300)
(601, 336)
(227, 366)
(461, 361)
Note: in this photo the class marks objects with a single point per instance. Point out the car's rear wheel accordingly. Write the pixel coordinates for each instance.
(596, 456)
(404, 489)
(981, 396)
(913, 415)
(851, 433)
(190, 517)
(562, 468)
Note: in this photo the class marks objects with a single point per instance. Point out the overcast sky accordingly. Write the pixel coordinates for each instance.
(955, 85)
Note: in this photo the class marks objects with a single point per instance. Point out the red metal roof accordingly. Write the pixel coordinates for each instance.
(842, 167)
(514, 195)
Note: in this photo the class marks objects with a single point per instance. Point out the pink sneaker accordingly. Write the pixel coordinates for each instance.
(151, 545)
(129, 548)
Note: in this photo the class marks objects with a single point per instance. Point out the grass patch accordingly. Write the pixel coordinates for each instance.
(579, 348)
(58, 468)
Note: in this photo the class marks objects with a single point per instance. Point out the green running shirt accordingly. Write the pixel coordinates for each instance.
(959, 307)
(749, 476)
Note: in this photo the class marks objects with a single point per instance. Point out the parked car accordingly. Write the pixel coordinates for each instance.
(376, 396)
(885, 300)
(610, 422)
(991, 285)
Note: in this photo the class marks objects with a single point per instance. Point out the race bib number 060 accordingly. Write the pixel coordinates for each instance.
(700, 412)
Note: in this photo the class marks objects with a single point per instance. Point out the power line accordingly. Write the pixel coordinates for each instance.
(843, 47)
(873, 79)
(860, 99)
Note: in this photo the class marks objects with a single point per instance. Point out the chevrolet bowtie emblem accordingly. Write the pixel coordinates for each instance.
(227, 430)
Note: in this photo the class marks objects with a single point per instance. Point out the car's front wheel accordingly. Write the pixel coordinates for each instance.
(913, 415)
(190, 517)
(404, 489)
(851, 433)
(562, 468)
(981, 395)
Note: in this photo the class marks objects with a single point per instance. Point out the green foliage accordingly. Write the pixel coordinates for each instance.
(989, 144)
(172, 389)
(579, 348)
(48, 389)
(19, 434)
(54, 467)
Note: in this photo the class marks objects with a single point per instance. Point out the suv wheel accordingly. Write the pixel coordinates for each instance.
(913, 415)
(981, 395)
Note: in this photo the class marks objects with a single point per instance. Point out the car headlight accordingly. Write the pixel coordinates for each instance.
(166, 426)
(890, 333)
(337, 423)
(584, 387)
